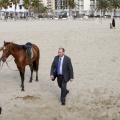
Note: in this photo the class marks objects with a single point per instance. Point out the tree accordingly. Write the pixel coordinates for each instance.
(103, 6)
(27, 5)
(35, 5)
(70, 4)
(45, 9)
(0, 4)
(115, 4)
(42, 8)
(15, 2)
(4, 4)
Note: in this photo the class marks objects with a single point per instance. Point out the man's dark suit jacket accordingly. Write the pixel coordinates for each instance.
(67, 69)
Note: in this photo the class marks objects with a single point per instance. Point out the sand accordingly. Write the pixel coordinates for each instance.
(95, 52)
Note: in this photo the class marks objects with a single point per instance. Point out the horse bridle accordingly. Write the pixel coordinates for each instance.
(4, 48)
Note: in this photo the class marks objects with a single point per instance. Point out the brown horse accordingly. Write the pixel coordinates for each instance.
(21, 59)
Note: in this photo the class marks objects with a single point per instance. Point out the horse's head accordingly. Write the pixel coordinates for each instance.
(6, 51)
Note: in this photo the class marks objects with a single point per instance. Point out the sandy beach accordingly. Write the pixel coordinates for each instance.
(95, 52)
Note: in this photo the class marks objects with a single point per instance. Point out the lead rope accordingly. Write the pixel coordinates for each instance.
(1, 66)
(10, 59)
(10, 68)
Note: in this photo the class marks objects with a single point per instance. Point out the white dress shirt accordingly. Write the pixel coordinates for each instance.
(61, 65)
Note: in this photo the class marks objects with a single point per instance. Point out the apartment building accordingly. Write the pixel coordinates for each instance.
(83, 6)
(86, 7)
(20, 8)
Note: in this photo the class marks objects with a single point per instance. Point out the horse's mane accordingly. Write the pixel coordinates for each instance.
(16, 46)
(19, 47)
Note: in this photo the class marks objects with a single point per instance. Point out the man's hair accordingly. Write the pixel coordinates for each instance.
(62, 49)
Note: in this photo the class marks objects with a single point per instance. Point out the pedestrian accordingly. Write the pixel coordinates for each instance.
(113, 23)
(62, 69)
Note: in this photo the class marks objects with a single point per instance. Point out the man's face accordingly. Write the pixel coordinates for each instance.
(60, 53)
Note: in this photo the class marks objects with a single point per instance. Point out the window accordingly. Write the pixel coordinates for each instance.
(20, 6)
(10, 5)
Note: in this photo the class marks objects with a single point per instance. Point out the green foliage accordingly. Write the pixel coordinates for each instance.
(27, 4)
(15, 2)
(4, 3)
(40, 16)
(115, 4)
(35, 6)
(107, 5)
(103, 6)
(69, 3)
(64, 16)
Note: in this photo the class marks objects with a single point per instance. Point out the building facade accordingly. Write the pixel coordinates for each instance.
(20, 8)
(11, 8)
(86, 7)
(81, 5)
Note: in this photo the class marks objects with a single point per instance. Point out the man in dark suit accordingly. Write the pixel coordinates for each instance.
(63, 70)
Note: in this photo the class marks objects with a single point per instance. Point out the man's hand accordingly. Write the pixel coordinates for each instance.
(71, 80)
(52, 77)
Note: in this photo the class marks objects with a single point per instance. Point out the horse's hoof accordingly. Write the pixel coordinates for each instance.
(36, 80)
(22, 90)
(30, 81)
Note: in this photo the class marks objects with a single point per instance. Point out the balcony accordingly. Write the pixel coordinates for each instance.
(81, 2)
(92, 2)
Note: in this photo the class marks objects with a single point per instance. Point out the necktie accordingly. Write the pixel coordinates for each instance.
(59, 64)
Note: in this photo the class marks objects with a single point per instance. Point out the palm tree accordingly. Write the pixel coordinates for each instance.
(0, 4)
(15, 2)
(45, 9)
(42, 9)
(103, 6)
(115, 4)
(35, 5)
(4, 4)
(70, 4)
(27, 5)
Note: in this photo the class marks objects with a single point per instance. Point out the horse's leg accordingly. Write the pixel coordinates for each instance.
(22, 81)
(31, 69)
(37, 75)
(35, 67)
(22, 72)
(20, 76)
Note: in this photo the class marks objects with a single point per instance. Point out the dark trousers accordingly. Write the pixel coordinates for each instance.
(62, 84)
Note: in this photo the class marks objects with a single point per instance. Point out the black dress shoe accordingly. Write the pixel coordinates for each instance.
(63, 103)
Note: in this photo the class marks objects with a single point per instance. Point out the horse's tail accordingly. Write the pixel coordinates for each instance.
(36, 62)
(35, 67)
